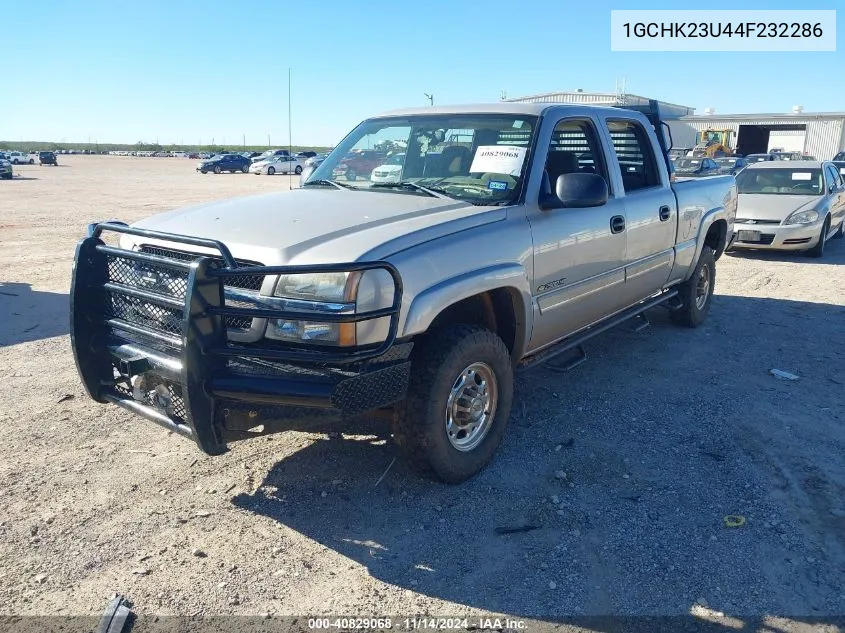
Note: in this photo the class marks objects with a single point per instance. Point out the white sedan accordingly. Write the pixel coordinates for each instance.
(277, 165)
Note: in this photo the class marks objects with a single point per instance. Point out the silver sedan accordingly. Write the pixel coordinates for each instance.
(793, 206)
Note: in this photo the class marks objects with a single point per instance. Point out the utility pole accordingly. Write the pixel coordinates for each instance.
(430, 98)
(290, 126)
(244, 141)
(268, 141)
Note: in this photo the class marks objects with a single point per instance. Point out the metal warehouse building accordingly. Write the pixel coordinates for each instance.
(819, 134)
(670, 111)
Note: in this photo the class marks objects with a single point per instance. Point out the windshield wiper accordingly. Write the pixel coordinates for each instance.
(435, 192)
(328, 182)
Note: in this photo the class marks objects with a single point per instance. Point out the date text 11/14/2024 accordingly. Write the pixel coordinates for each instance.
(417, 624)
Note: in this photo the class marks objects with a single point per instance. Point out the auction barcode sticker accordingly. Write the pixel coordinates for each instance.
(728, 30)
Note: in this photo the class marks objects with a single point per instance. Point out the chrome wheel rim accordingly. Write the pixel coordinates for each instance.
(702, 288)
(471, 406)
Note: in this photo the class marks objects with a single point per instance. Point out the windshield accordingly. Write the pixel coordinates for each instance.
(687, 164)
(782, 180)
(396, 159)
(477, 158)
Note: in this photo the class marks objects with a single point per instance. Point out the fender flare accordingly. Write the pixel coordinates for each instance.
(713, 215)
(430, 302)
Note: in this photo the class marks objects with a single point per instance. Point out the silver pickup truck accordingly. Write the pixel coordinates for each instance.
(510, 235)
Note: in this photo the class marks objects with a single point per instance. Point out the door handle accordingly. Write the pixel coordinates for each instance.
(665, 213)
(617, 224)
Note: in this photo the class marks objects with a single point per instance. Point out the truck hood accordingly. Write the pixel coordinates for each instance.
(767, 206)
(310, 226)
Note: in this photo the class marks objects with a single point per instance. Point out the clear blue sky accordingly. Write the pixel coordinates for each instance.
(179, 70)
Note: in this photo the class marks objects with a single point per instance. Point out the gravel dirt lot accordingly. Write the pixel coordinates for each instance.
(626, 465)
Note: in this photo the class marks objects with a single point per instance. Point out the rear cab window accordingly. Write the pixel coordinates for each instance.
(635, 155)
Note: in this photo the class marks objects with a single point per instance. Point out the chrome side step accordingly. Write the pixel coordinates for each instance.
(577, 341)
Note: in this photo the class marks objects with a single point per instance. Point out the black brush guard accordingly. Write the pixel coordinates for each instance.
(189, 377)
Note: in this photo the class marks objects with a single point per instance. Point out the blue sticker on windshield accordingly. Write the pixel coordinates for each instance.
(498, 185)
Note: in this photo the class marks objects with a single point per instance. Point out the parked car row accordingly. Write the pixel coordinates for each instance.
(269, 163)
(19, 158)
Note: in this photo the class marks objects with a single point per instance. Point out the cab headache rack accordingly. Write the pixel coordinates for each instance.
(161, 349)
(661, 128)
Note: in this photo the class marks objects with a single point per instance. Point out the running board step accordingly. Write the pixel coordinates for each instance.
(569, 364)
(641, 322)
(578, 340)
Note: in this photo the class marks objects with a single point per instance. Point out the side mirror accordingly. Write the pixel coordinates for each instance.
(577, 191)
(831, 188)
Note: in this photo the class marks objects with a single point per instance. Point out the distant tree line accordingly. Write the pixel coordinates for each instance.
(140, 146)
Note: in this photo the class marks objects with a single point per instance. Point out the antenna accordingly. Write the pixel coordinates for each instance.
(504, 96)
(290, 131)
(430, 98)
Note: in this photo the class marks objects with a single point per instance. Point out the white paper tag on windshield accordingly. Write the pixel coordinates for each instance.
(842, 170)
(802, 175)
(498, 159)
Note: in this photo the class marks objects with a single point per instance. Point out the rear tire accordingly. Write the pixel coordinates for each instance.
(245, 169)
(459, 401)
(298, 170)
(351, 175)
(31, 161)
(217, 170)
(818, 250)
(696, 294)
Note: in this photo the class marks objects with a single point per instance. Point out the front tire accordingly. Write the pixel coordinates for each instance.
(245, 169)
(696, 294)
(840, 233)
(271, 171)
(351, 175)
(31, 161)
(458, 403)
(818, 250)
(298, 170)
(217, 170)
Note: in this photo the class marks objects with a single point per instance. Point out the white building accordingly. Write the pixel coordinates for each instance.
(668, 110)
(819, 134)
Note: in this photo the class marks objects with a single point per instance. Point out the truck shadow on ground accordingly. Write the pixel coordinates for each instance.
(609, 493)
(30, 315)
(834, 254)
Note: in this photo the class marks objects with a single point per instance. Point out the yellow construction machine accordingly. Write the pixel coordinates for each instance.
(714, 143)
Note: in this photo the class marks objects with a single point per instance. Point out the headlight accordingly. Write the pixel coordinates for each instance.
(334, 293)
(802, 217)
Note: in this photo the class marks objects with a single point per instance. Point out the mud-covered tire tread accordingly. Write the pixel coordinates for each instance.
(688, 315)
(431, 355)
